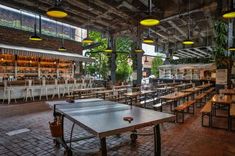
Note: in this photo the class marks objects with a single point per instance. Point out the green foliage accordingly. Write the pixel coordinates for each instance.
(123, 47)
(157, 61)
(101, 65)
(220, 28)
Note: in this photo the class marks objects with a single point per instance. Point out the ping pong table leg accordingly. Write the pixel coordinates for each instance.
(157, 140)
(103, 146)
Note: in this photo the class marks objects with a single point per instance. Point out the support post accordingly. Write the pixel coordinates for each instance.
(139, 68)
(113, 59)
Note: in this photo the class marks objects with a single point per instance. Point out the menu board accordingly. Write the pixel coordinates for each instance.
(221, 76)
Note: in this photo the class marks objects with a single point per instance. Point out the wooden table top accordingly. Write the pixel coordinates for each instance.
(139, 93)
(105, 118)
(175, 95)
(227, 91)
(88, 89)
(165, 88)
(204, 86)
(183, 85)
(225, 99)
(192, 90)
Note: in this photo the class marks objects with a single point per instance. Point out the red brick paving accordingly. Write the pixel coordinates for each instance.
(187, 139)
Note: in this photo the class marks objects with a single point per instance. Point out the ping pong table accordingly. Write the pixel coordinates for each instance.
(105, 118)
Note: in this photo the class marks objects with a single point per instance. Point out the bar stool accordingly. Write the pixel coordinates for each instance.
(7, 92)
(29, 90)
(66, 88)
(90, 83)
(56, 89)
(83, 84)
(43, 89)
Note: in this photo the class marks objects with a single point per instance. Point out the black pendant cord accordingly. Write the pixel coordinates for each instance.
(35, 25)
(62, 35)
(150, 7)
(188, 19)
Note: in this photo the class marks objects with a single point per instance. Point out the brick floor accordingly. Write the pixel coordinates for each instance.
(177, 139)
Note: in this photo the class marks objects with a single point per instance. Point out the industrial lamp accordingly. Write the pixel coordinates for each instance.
(62, 48)
(230, 13)
(35, 37)
(149, 21)
(231, 48)
(188, 41)
(57, 11)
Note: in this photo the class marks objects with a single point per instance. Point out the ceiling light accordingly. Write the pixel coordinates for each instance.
(35, 37)
(231, 48)
(148, 40)
(57, 11)
(149, 21)
(139, 50)
(229, 14)
(108, 50)
(87, 40)
(62, 48)
(188, 42)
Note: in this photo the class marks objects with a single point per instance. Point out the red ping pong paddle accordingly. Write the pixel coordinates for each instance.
(128, 118)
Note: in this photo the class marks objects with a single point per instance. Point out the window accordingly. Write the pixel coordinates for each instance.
(23, 20)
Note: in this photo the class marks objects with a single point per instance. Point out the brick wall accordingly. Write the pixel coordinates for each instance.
(21, 38)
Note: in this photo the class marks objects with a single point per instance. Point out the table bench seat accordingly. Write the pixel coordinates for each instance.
(158, 106)
(182, 107)
(206, 111)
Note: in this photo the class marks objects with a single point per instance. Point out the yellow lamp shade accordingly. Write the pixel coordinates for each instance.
(57, 12)
(149, 22)
(231, 49)
(108, 50)
(188, 42)
(148, 40)
(62, 48)
(35, 37)
(139, 51)
(87, 40)
(229, 14)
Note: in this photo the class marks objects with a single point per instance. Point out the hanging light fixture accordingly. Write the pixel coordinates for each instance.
(149, 21)
(231, 12)
(188, 41)
(57, 11)
(62, 48)
(87, 40)
(35, 37)
(108, 49)
(148, 39)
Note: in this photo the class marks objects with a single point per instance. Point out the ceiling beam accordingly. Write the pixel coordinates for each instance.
(186, 53)
(201, 51)
(193, 52)
(177, 28)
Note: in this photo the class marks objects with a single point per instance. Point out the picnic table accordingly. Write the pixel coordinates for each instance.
(105, 118)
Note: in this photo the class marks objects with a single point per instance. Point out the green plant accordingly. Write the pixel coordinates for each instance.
(157, 61)
(219, 50)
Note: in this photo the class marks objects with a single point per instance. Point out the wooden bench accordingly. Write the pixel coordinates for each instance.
(182, 107)
(232, 115)
(210, 91)
(158, 106)
(206, 110)
(200, 97)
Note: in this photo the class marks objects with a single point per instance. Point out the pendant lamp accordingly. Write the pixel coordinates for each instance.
(148, 39)
(149, 21)
(62, 48)
(57, 11)
(35, 37)
(188, 41)
(231, 12)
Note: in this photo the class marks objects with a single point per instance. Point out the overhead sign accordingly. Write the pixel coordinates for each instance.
(221, 76)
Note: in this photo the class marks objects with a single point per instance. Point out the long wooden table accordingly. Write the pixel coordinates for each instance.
(227, 91)
(105, 118)
(176, 96)
(225, 100)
